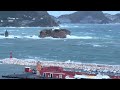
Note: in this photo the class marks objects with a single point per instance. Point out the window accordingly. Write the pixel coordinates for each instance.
(44, 74)
(60, 76)
(51, 75)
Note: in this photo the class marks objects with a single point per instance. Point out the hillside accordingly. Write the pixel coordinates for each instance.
(114, 18)
(26, 18)
(84, 17)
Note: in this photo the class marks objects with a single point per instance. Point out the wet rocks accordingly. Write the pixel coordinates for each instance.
(56, 33)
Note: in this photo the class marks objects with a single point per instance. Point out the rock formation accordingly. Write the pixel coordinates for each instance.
(56, 33)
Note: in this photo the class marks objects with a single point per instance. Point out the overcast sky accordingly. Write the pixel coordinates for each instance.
(58, 13)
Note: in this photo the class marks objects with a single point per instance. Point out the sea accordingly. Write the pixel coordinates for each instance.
(88, 43)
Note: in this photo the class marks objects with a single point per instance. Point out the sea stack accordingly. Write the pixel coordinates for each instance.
(6, 33)
(55, 33)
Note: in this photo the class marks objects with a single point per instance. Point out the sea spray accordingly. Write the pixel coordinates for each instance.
(67, 64)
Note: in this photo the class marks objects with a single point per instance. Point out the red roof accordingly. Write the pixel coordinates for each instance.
(52, 69)
(56, 70)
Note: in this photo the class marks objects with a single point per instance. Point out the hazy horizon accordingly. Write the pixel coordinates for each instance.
(58, 13)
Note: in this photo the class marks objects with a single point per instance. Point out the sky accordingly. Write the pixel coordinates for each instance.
(58, 13)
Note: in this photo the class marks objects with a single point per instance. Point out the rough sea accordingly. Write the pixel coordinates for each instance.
(88, 43)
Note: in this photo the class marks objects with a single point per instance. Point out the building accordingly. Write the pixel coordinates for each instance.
(52, 72)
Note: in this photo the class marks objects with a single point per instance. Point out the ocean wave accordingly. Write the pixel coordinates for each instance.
(98, 45)
(64, 64)
(89, 44)
(71, 37)
(78, 37)
(36, 37)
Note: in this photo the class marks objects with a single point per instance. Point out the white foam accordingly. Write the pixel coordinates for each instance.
(96, 45)
(36, 37)
(56, 28)
(70, 37)
(109, 30)
(67, 61)
(76, 26)
(67, 64)
(49, 38)
(23, 33)
(78, 37)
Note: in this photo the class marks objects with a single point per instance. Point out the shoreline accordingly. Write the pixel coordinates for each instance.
(70, 65)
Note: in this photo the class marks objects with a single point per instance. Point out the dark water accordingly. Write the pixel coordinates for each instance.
(88, 44)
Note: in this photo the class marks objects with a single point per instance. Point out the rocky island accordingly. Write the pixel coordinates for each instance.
(55, 33)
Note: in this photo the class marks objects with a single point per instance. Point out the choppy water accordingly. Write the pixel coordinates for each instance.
(87, 44)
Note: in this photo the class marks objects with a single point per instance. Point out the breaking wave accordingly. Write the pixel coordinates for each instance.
(79, 37)
(98, 45)
(36, 37)
(33, 62)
